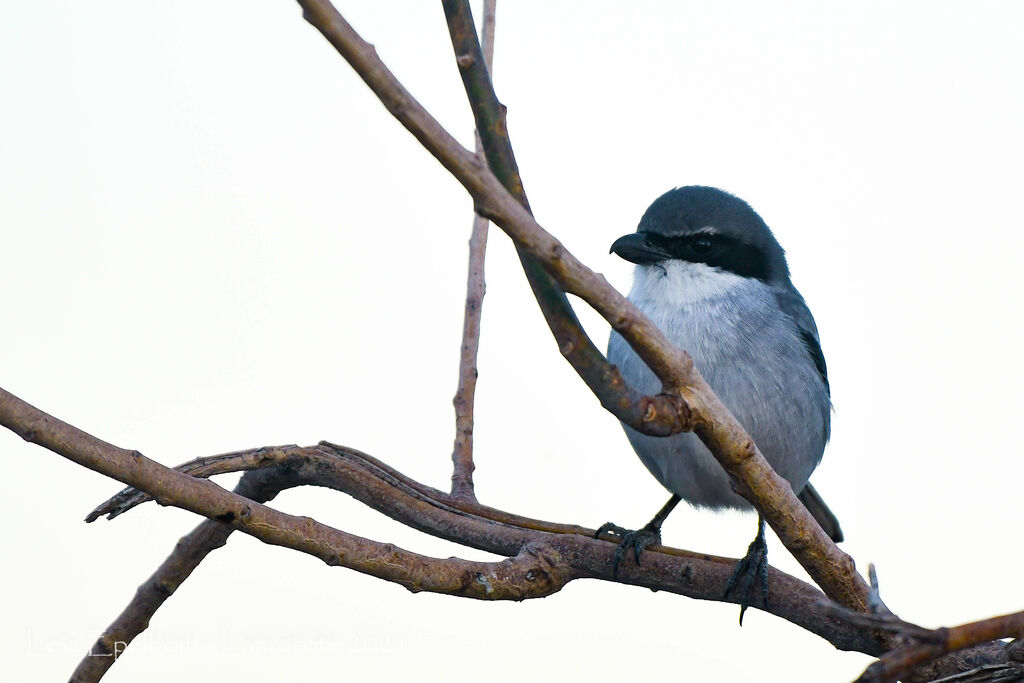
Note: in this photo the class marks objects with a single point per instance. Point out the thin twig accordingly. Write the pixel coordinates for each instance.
(697, 404)
(462, 451)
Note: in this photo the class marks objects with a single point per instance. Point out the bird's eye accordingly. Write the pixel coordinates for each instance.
(702, 244)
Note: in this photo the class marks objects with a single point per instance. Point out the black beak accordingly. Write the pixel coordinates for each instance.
(637, 248)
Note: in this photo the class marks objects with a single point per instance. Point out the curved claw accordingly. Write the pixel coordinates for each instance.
(754, 564)
(638, 540)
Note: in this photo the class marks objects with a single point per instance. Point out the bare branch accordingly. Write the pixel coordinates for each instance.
(674, 570)
(660, 415)
(506, 580)
(462, 452)
(666, 569)
(191, 549)
(541, 556)
(899, 662)
(831, 568)
(542, 561)
(751, 474)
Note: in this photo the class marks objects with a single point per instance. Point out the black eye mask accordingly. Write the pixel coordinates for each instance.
(718, 251)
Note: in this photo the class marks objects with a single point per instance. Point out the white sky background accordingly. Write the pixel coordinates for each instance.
(215, 237)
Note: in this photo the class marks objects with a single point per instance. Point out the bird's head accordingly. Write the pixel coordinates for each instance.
(704, 225)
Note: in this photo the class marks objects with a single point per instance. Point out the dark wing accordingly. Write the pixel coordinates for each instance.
(792, 304)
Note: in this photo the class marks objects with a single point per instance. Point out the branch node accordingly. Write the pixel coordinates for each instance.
(488, 588)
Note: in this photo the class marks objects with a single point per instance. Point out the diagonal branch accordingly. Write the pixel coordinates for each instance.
(696, 404)
(452, 576)
(462, 451)
(660, 415)
(190, 550)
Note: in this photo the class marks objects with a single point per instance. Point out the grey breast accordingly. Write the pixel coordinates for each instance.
(752, 356)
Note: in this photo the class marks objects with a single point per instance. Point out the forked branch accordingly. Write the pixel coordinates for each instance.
(928, 645)
(440, 514)
(541, 556)
(696, 405)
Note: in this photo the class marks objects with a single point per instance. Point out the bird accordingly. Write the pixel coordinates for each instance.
(711, 275)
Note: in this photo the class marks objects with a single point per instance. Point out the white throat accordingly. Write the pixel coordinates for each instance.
(679, 283)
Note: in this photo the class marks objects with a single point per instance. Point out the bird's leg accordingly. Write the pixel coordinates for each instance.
(753, 565)
(639, 539)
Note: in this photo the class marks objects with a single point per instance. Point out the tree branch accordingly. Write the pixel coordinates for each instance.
(674, 570)
(541, 562)
(191, 549)
(453, 576)
(462, 451)
(698, 406)
(542, 556)
(933, 644)
(661, 415)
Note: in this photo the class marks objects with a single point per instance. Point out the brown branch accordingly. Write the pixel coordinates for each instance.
(191, 549)
(545, 561)
(656, 415)
(674, 570)
(419, 506)
(205, 467)
(938, 642)
(831, 569)
(452, 576)
(660, 415)
(540, 562)
(258, 484)
(289, 456)
(462, 451)
(698, 406)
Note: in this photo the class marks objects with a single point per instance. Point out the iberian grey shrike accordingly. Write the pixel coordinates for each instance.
(711, 275)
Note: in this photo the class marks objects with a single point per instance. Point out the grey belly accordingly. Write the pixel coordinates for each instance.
(773, 389)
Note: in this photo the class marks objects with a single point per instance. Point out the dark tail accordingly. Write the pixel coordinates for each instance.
(813, 502)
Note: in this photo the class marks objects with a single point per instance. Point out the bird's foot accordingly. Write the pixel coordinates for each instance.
(754, 565)
(638, 540)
